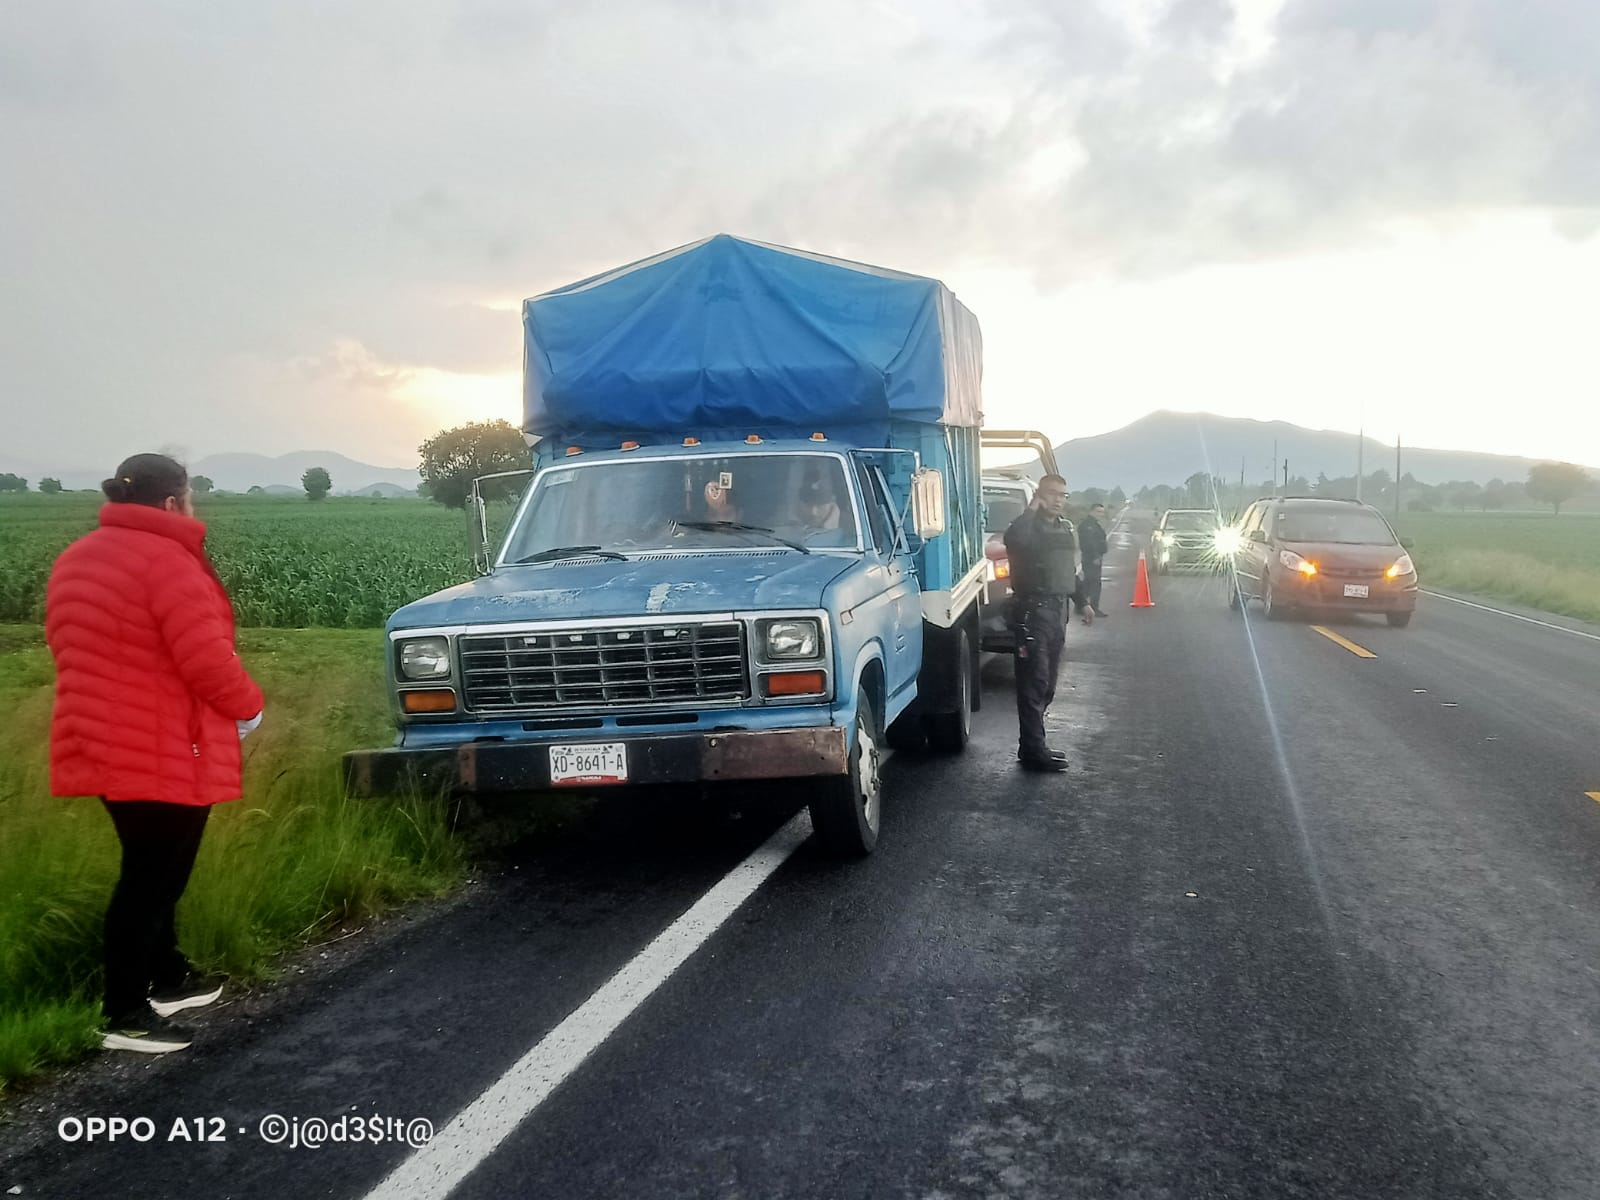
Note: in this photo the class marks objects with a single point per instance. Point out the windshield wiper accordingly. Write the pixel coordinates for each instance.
(740, 527)
(569, 552)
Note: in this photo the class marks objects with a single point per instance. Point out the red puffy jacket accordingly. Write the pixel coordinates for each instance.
(148, 684)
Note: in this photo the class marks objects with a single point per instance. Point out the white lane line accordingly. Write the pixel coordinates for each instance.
(1514, 616)
(433, 1171)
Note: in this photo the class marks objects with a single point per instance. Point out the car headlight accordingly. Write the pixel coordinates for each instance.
(1295, 563)
(800, 637)
(1402, 567)
(1227, 541)
(425, 658)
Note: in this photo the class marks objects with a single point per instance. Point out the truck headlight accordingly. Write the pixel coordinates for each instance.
(793, 639)
(425, 658)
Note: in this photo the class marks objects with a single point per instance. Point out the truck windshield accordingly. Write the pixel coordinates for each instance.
(1190, 519)
(628, 506)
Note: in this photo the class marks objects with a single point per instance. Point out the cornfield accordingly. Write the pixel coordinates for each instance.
(345, 562)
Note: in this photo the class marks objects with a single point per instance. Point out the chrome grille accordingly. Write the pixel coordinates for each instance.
(640, 664)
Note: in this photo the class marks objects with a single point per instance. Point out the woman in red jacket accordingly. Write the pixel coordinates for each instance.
(151, 705)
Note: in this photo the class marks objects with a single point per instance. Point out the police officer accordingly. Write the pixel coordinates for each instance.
(1092, 544)
(1043, 553)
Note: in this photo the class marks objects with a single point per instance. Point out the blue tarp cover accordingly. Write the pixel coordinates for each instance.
(739, 336)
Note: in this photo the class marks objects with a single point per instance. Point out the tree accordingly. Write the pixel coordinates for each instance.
(1464, 493)
(202, 485)
(1118, 497)
(1555, 483)
(316, 481)
(453, 458)
(256, 490)
(12, 483)
(1494, 495)
(49, 487)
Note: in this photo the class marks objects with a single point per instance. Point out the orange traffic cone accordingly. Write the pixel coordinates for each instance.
(1141, 587)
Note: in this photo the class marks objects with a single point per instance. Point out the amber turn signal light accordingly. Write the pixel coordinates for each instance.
(434, 700)
(795, 683)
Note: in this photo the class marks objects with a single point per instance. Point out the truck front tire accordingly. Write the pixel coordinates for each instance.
(849, 809)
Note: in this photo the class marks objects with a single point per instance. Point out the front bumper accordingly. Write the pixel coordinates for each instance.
(524, 766)
(1383, 595)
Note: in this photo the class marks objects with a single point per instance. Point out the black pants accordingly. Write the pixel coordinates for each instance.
(1041, 630)
(1091, 581)
(159, 844)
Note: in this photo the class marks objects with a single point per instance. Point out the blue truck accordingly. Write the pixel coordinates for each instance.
(751, 547)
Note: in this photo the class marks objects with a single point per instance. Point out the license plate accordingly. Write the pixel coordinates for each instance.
(1358, 590)
(601, 762)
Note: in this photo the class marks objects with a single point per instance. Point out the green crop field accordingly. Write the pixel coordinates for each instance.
(342, 563)
(1532, 558)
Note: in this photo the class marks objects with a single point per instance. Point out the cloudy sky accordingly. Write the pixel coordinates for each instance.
(300, 225)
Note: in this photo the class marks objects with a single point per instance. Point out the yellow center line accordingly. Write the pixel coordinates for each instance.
(1358, 651)
(1595, 796)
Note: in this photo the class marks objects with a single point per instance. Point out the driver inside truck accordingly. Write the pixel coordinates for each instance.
(817, 506)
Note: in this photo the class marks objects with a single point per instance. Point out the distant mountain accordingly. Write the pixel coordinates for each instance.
(240, 472)
(1168, 447)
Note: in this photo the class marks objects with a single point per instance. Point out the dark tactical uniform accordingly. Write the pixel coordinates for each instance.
(1092, 544)
(1041, 550)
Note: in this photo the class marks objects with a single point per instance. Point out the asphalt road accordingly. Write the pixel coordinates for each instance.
(1298, 922)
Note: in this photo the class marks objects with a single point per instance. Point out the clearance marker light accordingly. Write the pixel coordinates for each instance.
(819, 437)
(630, 445)
(571, 450)
(753, 440)
(691, 441)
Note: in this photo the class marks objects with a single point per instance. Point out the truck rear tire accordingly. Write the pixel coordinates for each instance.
(848, 809)
(948, 732)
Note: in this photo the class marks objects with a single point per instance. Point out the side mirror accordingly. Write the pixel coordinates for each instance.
(1259, 536)
(478, 519)
(927, 503)
(478, 530)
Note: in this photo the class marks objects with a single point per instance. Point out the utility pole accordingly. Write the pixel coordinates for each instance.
(1286, 477)
(1274, 466)
(1397, 478)
(1361, 446)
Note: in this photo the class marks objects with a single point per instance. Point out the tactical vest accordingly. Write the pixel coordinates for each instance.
(1044, 567)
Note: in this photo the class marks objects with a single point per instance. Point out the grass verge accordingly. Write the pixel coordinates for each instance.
(292, 860)
(1545, 562)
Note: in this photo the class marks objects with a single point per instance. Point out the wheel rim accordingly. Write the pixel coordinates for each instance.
(867, 757)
